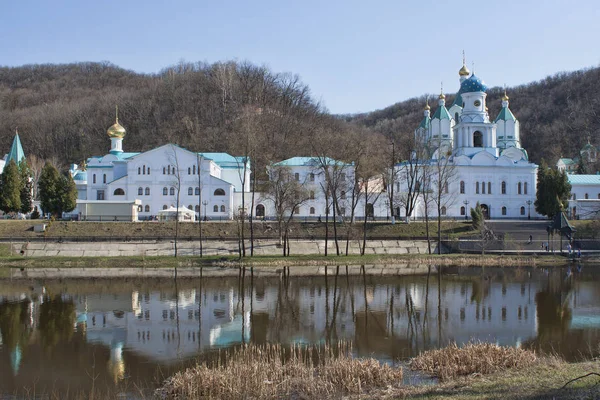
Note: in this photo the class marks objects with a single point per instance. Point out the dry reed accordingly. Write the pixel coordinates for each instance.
(272, 371)
(473, 358)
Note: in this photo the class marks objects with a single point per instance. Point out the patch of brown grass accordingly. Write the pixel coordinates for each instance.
(473, 358)
(272, 371)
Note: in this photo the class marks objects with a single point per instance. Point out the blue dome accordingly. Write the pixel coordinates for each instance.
(80, 176)
(473, 84)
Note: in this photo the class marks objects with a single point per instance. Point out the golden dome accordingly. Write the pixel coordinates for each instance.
(442, 96)
(505, 97)
(116, 131)
(427, 108)
(464, 71)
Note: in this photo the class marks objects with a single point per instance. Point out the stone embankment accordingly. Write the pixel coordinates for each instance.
(209, 248)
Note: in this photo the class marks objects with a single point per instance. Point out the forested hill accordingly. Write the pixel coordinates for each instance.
(62, 111)
(556, 114)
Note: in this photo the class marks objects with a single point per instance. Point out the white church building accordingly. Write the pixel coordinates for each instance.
(488, 165)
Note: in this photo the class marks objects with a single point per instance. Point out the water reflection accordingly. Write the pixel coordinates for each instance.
(121, 333)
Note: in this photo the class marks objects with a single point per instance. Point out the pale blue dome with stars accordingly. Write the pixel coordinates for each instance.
(473, 84)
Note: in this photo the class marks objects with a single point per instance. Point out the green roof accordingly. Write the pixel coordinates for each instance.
(567, 161)
(16, 151)
(505, 115)
(307, 162)
(584, 179)
(441, 113)
(425, 123)
(222, 158)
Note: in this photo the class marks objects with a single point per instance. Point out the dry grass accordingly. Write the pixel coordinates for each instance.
(272, 371)
(474, 358)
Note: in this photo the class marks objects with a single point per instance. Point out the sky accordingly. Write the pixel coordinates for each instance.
(356, 56)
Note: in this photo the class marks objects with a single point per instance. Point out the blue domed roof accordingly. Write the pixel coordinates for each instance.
(80, 176)
(473, 84)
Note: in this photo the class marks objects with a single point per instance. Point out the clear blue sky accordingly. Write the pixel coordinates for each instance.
(355, 55)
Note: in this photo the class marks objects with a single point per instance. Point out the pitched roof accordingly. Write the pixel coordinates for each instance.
(505, 115)
(567, 161)
(583, 179)
(425, 122)
(222, 158)
(16, 151)
(441, 113)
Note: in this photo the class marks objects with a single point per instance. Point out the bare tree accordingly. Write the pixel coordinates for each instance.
(199, 159)
(36, 165)
(176, 184)
(443, 179)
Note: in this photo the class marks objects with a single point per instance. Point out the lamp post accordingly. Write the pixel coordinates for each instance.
(466, 203)
(529, 209)
(205, 203)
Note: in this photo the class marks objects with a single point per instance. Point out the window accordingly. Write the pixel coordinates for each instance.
(144, 170)
(190, 191)
(482, 187)
(343, 210)
(489, 187)
(147, 191)
(598, 195)
(312, 194)
(164, 171)
(216, 208)
(172, 191)
(219, 192)
(164, 206)
(147, 208)
(189, 171)
(519, 188)
(222, 208)
(165, 191)
(190, 207)
(343, 195)
(522, 210)
(503, 187)
(140, 208)
(197, 208)
(312, 177)
(370, 210)
(574, 196)
(443, 210)
(297, 176)
(462, 187)
(446, 187)
(503, 210)
(343, 177)
(100, 195)
(312, 211)
(140, 191)
(119, 192)
(197, 191)
(139, 171)
(148, 171)
(94, 178)
(194, 170)
(525, 188)
(477, 139)
(297, 210)
(586, 196)
(463, 211)
(104, 178)
(477, 187)
(168, 170)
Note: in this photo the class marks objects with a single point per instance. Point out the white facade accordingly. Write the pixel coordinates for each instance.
(486, 163)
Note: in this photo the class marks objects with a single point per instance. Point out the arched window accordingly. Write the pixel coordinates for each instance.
(219, 192)
(119, 192)
(168, 170)
(104, 178)
(260, 210)
(463, 211)
(503, 187)
(94, 178)
(482, 187)
(370, 210)
(312, 210)
(194, 169)
(446, 187)
(190, 191)
(574, 196)
(144, 170)
(477, 139)
(148, 171)
(164, 171)
(343, 195)
(164, 206)
(190, 207)
(189, 171)
(297, 176)
(147, 191)
(216, 208)
(139, 171)
(462, 188)
(312, 194)
(312, 177)
(503, 210)
(140, 208)
(477, 187)
(140, 191)
(172, 191)
(519, 188)
(147, 208)
(197, 191)
(525, 188)
(443, 210)
(522, 210)
(222, 208)
(165, 191)
(586, 196)
(489, 187)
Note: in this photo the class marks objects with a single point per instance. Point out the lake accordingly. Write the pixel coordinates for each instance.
(128, 335)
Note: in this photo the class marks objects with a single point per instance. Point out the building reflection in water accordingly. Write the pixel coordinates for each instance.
(144, 331)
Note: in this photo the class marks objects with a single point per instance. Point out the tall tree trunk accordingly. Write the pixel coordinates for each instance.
(335, 237)
(251, 214)
(326, 224)
(427, 228)
(439, 228)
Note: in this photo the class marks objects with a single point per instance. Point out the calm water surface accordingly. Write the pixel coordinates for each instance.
(124, 334)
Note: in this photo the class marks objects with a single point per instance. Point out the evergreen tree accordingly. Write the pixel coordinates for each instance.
(48, 187)
(477, 219)
(35, 214)
(10, 189)
(68, 193)
(26, 187)
(553, 191)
